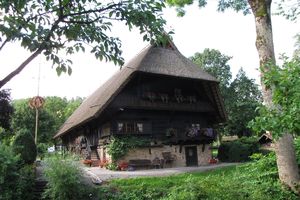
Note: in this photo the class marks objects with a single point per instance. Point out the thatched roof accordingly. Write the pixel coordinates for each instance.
(157, 60)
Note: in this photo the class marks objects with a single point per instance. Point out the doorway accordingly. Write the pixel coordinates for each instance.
(191, 156)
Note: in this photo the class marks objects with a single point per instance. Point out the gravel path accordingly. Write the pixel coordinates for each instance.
(97, 175)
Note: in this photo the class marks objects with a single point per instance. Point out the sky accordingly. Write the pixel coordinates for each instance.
(231, 33)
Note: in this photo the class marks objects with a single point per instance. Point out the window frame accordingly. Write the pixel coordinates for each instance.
(130, 127)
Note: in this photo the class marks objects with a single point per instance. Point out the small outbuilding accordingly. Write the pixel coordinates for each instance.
(159, 96)
(265, 139)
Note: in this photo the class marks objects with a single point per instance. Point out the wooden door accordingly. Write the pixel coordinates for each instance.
(191, 156)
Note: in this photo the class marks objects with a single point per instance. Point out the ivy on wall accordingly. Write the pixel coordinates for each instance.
(119, 147)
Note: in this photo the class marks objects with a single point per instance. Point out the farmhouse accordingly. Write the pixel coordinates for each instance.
(159, 96)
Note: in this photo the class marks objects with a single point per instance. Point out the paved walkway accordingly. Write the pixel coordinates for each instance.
(97, 175)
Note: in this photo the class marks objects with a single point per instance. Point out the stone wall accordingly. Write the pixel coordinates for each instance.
(151, 153)
(103, 155)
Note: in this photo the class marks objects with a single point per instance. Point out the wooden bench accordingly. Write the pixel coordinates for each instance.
(140, 163)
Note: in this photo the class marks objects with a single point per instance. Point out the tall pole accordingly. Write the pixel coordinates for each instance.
(36, 108)
(36, 124)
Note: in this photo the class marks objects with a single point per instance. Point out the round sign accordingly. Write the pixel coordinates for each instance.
(36, 102)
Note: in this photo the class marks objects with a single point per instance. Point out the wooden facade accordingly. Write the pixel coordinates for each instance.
(165, 109)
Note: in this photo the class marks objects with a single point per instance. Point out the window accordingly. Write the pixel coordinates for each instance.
(193, 130)
(196, 126)
(106, 129)
(130, 127)
(139, 127)
(120, 127)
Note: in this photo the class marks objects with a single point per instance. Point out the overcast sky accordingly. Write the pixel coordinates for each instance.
(231, 33)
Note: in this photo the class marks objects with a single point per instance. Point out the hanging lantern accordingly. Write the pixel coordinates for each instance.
(36, 102)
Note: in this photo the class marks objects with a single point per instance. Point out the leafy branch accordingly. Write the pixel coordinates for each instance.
(51, 27)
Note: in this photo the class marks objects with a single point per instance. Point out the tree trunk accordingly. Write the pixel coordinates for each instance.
(285, 151)
(264, 41)
(287, 163)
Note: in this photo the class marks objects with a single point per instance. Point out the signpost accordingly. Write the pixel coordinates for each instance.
(36, 103)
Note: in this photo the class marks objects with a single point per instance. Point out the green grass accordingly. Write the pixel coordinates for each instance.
(220, 184)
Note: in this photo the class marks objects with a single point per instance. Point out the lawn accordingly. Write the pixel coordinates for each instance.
(247, 181)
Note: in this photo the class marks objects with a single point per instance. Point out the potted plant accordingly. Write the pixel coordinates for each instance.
(103, 163)
(87, 162)
(123, 166)
(213, 161)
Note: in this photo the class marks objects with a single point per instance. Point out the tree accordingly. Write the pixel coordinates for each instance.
(5, 109)
(289, 9)
(261, 10)
(60, 109)
(297, 45)
(264, 36)
(72, 105)
(53, 27)
(245, 98)
(24, 146)
(53, 114)
(215, 63)
(241, 97)
(284, 116)
(24, 118)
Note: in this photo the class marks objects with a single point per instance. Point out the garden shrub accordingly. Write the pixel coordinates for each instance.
(25, 146)
(65, 180)
(238, 150)
(223, 151)
(8, 172)
(16, 179)
(41, 150)
(26, 182)
(112, 166)
(260, 177)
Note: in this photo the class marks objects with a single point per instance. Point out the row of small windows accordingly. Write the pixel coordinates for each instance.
(130, 127)
(137, 128)
(125, 127)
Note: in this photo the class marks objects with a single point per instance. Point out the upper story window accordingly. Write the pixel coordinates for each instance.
(196, 126)
(130, 127)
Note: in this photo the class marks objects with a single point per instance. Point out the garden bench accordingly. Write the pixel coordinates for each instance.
(140, 163)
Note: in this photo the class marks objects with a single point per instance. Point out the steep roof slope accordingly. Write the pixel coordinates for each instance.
(157, 60)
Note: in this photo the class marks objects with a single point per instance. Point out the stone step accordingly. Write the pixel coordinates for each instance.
(94, 155)
(40, 186)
